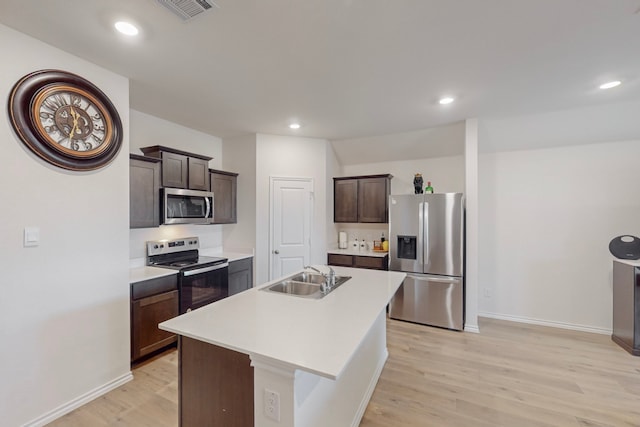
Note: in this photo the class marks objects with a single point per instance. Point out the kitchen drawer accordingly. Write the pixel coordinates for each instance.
(343, 260)
(154, 286)
(239, 265)
(377, 263)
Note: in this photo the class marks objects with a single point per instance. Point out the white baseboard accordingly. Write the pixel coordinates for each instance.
(79, 401)
(553, 324)
(372, 386)
(472, 328)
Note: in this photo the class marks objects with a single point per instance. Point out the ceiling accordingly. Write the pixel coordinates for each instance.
(350, 69)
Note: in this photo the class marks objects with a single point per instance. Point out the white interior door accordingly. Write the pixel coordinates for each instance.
(290, 225)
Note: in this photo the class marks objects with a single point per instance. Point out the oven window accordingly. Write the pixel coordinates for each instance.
(202, 289)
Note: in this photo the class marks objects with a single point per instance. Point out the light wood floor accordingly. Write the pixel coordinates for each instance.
(511, 375)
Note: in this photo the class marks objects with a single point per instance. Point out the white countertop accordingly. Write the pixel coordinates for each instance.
(232, 255)
(140, 274)
(359, 253)
(633, 262)
(318, 336)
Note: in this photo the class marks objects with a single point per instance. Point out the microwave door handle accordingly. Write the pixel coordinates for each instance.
(206, 201)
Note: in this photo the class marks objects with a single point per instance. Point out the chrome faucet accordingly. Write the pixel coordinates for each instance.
(308, 267)
(329, 279)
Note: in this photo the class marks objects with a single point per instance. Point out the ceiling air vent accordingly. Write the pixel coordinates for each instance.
(187, 9)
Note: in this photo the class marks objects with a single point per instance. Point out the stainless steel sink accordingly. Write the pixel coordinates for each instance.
(295, 288)
(306, 285)
(305, 277)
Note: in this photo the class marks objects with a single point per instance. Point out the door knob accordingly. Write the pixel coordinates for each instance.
(276, 251)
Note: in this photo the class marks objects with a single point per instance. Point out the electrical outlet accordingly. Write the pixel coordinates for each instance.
(272, 404)
(487, 292)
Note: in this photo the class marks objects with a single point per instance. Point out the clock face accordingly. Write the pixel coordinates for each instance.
(65, 119)
(71, 121)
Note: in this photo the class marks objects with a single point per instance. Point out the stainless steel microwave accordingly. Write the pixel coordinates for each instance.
(180, 206)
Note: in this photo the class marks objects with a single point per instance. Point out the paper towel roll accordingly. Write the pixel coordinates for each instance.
(342, 240)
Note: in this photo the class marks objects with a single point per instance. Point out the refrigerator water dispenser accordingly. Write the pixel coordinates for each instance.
(407, 247)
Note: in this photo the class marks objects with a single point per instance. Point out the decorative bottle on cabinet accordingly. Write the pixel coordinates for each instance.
(428, 189)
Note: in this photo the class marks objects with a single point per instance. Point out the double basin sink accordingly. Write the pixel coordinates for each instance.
(306, 285)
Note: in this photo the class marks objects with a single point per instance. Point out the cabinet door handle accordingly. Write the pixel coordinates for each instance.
(277, 252)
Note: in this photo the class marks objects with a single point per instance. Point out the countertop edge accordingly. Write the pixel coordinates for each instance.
(140, 274)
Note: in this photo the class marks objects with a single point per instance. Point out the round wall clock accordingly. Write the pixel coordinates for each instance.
(65, 119)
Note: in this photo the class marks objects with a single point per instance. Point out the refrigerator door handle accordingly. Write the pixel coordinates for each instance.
(435, 279)
(425, 214)
(420, 242)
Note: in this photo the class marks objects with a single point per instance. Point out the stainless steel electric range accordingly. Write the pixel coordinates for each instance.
(201, 279)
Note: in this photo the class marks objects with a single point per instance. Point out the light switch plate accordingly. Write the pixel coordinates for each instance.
(31, 236)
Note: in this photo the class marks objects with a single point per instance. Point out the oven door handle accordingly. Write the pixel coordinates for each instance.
(205, 269)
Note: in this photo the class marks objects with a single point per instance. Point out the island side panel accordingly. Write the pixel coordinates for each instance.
(309, 400)
(216, 386)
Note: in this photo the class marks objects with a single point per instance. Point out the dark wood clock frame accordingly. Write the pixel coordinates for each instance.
(21, 113)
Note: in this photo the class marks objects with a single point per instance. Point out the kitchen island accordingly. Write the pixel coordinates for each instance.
(265, 359)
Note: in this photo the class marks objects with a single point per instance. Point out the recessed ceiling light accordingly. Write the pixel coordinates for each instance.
(126, 28)
(609, 85)
(446, 100)
(294, 126)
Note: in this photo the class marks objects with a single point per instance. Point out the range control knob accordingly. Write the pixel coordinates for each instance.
(155, 246)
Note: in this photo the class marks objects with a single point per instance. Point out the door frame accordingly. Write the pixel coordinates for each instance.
(272, 181)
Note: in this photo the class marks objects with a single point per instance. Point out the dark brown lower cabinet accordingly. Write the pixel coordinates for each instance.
(215, 386)
(240, 275)
(152, 302)
(372, 262)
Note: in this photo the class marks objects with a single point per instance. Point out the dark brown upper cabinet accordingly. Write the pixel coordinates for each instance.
(144, 194)
(224, 186)
(181, 169)
(361, 198)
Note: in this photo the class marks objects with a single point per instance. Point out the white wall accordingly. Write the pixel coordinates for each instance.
(445, 173)
(64, 308)
(286, 156)
(149, 130)
(334, 168)
(546, 219)
(239, 155)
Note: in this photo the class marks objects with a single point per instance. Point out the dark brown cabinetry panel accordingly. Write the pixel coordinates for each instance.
(198, 174)
(374, 263)
(240, 275)
(152, 302)
(224, 187)
(144, 194)
(373, 196)
(361, 198)
(216, 386)
(343, 260)
(175, 170)
(345, 200)
(181, 169)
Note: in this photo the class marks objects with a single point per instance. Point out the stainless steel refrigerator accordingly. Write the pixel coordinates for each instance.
(426, 240)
